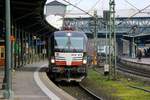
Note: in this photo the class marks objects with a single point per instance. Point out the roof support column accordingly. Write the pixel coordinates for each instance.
(22, 46)
(49, 52)
(19, 46)
(29, 47)
(32, 50)
(12, 47)
(25, 48)
(130, 48)
(15, 49)
(40, 48)
(35, 48)
(8, 69)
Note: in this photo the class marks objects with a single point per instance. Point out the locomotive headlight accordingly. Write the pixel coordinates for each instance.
(52, 60)
(84, 61)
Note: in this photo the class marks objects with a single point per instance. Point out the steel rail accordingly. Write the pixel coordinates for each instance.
(133, 71)
(90, 92)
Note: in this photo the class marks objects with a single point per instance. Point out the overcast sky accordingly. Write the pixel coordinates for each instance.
(103, 4)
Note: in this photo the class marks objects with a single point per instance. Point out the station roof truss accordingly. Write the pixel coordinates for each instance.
(28, 15)
(124, 25)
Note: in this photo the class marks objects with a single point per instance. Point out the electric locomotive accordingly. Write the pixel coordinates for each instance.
(68, 56)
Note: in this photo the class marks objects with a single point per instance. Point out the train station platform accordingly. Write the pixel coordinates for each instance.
(135, 60)
(31, 83)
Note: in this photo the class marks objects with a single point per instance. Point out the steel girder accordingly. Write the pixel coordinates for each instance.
(124, 25)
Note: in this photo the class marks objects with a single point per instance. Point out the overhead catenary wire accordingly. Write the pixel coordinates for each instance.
(76, 5)
(87, 12)
(139, 11)
(131, 4)
(83, 10)
(78, 8)
(94, 5)
(134, 6)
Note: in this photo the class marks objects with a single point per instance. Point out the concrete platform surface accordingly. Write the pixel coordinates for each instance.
(27, 84)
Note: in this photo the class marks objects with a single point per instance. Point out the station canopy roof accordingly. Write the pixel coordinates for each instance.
(28, 15)
(143, 37)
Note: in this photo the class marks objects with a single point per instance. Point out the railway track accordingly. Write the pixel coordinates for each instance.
(130, 69)
(134, 71)
(78, 91)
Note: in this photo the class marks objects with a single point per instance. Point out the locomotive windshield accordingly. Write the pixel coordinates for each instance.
(69, 43)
